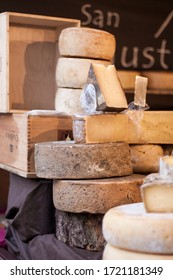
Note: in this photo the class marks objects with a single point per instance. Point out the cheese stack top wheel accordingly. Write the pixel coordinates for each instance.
(130, 227)
(97, 195)
(66, 160)
(87, 42)
(113, 253)
(158, 196)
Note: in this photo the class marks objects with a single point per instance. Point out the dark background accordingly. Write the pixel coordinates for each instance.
(143, 29)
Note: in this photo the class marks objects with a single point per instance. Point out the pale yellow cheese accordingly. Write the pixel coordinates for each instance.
(100, 128)
(67, 101)
(130, 227)
(87, 42)
(114, 253)
(109, 92)
(158, 196)
(98, 195)
(73, 72)
(159, 79)
(134, 127)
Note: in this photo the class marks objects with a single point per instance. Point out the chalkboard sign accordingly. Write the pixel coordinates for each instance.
(143, 29)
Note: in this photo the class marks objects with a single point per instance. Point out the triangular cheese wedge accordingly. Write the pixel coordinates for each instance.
(109, 94)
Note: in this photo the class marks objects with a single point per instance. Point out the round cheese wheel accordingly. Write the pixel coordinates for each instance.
(73, 72)
(145, 158)
(127, 78)
(87, 42)
(67, 101)
(130, 227)
(113, 253)
(96, 196)
(66, 160)
(159, 79)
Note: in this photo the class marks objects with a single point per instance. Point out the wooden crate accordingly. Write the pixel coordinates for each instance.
(20, 131)
(28, 57)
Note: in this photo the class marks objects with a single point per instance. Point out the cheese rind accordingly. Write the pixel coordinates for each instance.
(145, 158)
(96, 196)
(158, 196)
(67, 101)
(108, 90)
(73, 72)
(114, 253)
(82, 230)
(87, 42)
(130, 227)
(66, 160)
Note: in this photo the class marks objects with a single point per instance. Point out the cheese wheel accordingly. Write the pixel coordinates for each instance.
(66, 160)
(113, 253)
(73, 72)
(67, 101)
(127, 78)
(159, 79)
(145, 158)
(82, 230)
(130, 227)
(96, 196)
(158, 196)
(87, 42)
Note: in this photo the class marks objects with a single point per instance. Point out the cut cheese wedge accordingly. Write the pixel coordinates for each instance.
(127, 78)
(114, 253)
(145, 158)
(158, 196)
(134, 127)
(130, 227)
(73, 72)
(97, 195)
(159, 79)
(100, 128)
(66, 160)
(87, 42)
(109, 95)
(67, 101)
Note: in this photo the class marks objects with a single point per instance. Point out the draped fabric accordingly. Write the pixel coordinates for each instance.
(31, 213)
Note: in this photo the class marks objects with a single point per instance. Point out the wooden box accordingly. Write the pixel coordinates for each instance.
(28, 57)
(20, 131)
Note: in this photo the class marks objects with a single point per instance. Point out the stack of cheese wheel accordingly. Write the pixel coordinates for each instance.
(86, 183)
(143, 230)
(79, 47)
